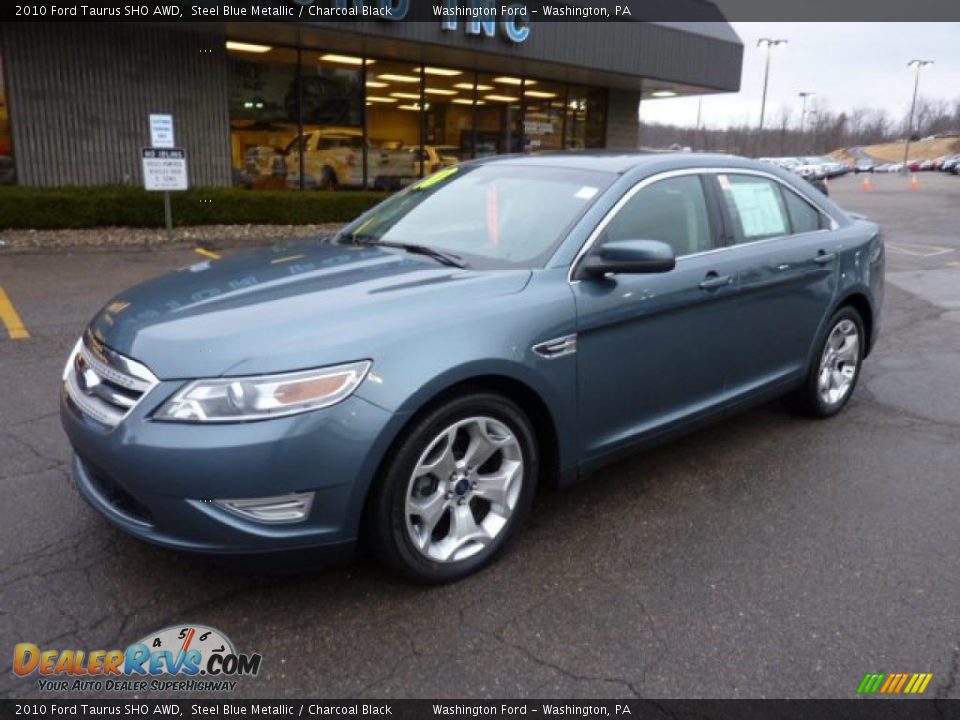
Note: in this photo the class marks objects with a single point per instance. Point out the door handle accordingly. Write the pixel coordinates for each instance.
(714, 281)
(823, 258)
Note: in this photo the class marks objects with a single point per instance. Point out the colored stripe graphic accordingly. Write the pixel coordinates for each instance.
(870, 683)
(894, 683)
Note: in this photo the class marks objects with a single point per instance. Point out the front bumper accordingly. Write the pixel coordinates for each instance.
(156, 480)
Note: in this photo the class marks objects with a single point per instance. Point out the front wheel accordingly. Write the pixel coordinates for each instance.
(835, 370)
(456, 489)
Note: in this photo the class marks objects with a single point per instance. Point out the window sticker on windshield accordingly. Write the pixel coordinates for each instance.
(435, 178)
(586, 192)
(724, 181)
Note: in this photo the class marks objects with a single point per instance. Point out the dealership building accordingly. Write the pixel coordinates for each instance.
(335, 104)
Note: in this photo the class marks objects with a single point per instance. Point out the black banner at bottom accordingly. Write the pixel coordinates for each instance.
(893, 709)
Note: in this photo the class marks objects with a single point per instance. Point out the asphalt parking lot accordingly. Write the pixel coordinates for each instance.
(768, 556)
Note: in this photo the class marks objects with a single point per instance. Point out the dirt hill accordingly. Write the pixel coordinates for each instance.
(893, 152)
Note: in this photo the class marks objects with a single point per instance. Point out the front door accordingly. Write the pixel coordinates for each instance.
(650, 347)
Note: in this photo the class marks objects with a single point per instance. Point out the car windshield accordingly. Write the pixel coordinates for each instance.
(496, 215)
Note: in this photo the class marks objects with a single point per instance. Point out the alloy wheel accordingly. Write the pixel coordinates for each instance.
(838, 364)
(464, 489)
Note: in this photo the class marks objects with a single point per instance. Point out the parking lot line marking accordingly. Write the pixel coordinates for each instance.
(11, 318)
(915, 250)
(209, 253)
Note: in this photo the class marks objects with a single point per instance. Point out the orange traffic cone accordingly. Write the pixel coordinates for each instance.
(867, 186)
(914, 183)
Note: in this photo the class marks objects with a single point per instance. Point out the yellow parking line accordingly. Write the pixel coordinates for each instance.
(289, 258)
(208, 253)
(11, 318)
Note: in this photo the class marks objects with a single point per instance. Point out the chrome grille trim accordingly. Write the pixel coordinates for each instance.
(104, 384)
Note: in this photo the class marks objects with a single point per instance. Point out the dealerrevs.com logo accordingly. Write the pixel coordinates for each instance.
(180, 658)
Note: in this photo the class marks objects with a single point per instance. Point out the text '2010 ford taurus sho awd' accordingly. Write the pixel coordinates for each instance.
(501, 324)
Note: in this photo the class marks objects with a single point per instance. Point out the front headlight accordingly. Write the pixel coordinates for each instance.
(258, 398)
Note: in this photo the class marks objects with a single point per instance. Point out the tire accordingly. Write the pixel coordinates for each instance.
(825, 396)
(328, 179)
(461, 529)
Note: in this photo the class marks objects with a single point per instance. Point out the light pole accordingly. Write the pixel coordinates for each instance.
(803, 113)
(916, 65)
(769, 44)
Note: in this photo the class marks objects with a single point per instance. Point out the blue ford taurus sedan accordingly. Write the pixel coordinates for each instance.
(502, 324)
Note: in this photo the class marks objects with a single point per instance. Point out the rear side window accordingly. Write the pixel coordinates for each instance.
(673, 211)
(755, 207)
(803, 216)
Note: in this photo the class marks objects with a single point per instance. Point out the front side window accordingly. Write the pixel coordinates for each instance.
(492, 216)
(673, 211)
(755, 207)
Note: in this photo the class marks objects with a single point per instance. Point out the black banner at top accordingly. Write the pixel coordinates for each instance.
(515, 13)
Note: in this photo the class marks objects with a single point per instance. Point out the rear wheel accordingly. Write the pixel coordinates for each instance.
(456, 489)
(835, 370)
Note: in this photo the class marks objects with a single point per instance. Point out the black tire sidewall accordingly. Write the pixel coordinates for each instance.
(389, 533)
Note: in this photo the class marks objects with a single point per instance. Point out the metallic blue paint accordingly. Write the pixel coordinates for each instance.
(656, 354)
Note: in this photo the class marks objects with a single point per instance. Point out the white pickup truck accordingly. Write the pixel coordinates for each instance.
(333, 158)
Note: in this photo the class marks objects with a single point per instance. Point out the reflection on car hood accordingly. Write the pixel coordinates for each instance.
(293, 306)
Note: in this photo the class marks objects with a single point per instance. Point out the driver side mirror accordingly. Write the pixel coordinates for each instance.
(629, 256)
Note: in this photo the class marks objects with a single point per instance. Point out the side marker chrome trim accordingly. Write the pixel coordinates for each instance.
(558, 347)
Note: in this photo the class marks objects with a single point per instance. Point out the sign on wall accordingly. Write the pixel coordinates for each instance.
(161, 131)
(164, 169)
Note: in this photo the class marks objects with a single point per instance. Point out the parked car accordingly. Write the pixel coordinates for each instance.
(864, 165)
(913, 165)
(950, 163)
(434, 157)
(828, 166)
(502, 325)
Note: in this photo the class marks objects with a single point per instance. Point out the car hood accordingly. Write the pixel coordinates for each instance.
(290, 307)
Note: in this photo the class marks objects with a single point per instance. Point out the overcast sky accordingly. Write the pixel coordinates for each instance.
(847, 65)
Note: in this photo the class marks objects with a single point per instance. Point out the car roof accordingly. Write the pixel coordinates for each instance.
(612, 161)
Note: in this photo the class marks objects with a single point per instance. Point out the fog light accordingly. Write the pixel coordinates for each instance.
(291, 508)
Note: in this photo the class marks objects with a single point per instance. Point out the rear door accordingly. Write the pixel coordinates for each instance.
(788, 265)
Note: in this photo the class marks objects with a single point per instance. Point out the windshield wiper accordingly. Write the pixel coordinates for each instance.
(446, 258)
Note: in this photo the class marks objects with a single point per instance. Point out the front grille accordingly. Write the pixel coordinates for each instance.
(104, 384)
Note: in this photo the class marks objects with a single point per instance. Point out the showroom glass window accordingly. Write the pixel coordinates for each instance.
(394, 105)
(543, 115)
(315, 119)
(586, 118)
(264, 115)
(499, 114)
(332, 113)
(449, 101)
(8, 173)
